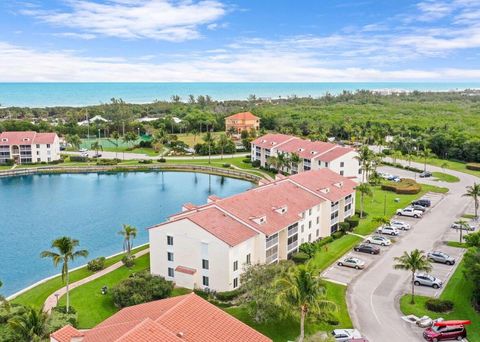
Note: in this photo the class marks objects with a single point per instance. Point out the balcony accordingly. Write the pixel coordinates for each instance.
(292, 230)
(271, 242)
(334, 220)
(293, 245)
(334, 207)
(271, 258)
(348, 200)
(348, 212)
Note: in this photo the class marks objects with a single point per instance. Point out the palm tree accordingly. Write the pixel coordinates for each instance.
(304, 293)
(413, 261)
(294, 160)
(272, 161)
(129, 233)
(473, 191)
(222, 142)
(73, 140)
(96, 146)
(363, 157)
(282, 160)
(66, 252)
(365, 190)
(209, 139)
(383, 220)
(3, 300)
(31, 326)
(425, 154)
(116, 137)
(462, 224)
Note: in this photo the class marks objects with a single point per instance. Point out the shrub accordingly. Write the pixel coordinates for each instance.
(353, 220)
(414, 169)
(107, 162)
(59, 319)
(338, 234)
(162, 160)
(439, 305)
(256, 163)
(201, 293)
(78, 159)
(141, 288)
(145, 161)
(128, 260)
(13, 310)
(228, 295)
(473, 166)
(63, 309)
(58, 161)
(226, 165)
(357, 213)
(324, 241)
(96, 265)
(405, 186)
(300, 257)
(309, 248)
(344, 227)
(145, 143)
(247, 161)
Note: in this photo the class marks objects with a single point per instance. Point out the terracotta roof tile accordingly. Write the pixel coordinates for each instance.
(272, 140)
(66, 333)
(26, 138)
(243, 116)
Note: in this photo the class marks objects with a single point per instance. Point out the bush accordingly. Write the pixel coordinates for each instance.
(405, 186)
(300, 257)
(145, 143)
(59, 319)
(63, 309)
(344, 227)
(162, 160)
(141, 288)
(78, 159)
(228, 295)
(324, 241)
(247, 161)
(338, 234)
(473, 166)
(226, 165)
(145, 161)
(201, 293)
(357, 213)
(129, 260)
(13, 310)
(256, 163)
(10, 162)
(353, 220)
(96, 265)
(58, 161)
(107, 162)
(439, 305)
(308, 248)
(414, 169)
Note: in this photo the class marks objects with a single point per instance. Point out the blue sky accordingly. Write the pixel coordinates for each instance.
(239, 40)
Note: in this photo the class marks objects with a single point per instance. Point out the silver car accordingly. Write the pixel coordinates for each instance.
(378, 240)
(440, 257)
(467, 226)
(355, 263)
(344, 335)
(427, 280)
(400, 225)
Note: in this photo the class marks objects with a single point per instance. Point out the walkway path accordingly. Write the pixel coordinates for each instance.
(51, 301)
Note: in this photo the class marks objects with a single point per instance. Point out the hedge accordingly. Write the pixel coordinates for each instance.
(107, 162)
(353, 220)
(439, 305)
(300, 257)
(228, 295)
(78, 159)
(405, 186)
(473, 166)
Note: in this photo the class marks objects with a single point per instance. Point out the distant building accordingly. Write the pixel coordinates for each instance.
(187, 318)
(29, 147)
(96, 118)
(208, 246)
(314, 155)
(239, 122)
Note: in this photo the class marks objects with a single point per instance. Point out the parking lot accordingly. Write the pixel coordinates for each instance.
(344, 275)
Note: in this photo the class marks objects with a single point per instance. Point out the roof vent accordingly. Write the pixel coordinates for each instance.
(281, 210)
(325, 190)
(339, 185)
(264, 141)
(301, 149)
(180, 334)
(26, 139)
(259, 219)
(4, 139)
(313, 152)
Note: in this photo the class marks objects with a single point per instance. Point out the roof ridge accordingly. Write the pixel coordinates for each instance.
(139, 325)
(187, 296)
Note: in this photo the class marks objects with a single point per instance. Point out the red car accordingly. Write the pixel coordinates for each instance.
(446, 330)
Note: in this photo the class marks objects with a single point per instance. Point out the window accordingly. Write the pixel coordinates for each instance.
(342, 164)
(49, 159)
(318, 220)
(341, 173)
(326, 164)
(359, 171)
(38, 159)
(170, 272)
(205, 281)
(169, 256)
(249, 261)
(205, 264)
(309, 224)
(169, 240)
(309, 237)
(38, 146)
(310, 211)
(235, 283)
(48, 145)
(318, 232)
(38, 153)
(235, 266)
(301, 228)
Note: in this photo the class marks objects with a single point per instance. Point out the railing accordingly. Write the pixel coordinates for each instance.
(335, 207)
(348, 212)
(349, 200)
(292, 231)
(271, 258)
(272, 242)
(293, 245)
(334, 220)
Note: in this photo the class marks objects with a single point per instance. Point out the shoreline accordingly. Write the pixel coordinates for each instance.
(44, 280)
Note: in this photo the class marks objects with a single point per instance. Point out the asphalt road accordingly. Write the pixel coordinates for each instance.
(373, 297)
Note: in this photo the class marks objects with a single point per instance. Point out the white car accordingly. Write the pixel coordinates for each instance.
(467, 226)
(344, 335)
(355, 263)
(378, 240)
(83, 150)
(388, 230)
(400, 225)
(410, 211)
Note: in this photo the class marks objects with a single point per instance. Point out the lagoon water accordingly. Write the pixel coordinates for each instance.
(91, 208)
(79, 94)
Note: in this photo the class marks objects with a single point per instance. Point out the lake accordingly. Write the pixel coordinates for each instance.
(89, 207)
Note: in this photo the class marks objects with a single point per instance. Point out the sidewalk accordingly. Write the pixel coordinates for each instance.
(51, 301)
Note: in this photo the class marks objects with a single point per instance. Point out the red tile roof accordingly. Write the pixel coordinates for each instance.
(272, 140)
(186, 270)
(66, 333)
(26, 138)
(187, 318)
(243, 116)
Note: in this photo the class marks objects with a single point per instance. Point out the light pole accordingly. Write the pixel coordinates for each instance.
(56, 296)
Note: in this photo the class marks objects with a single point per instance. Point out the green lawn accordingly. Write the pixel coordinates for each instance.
(5, 167)
(140, 150)
(458, 290)
(191, 140)
(456, 244)
(444, 177)
(289, 329)
(36, 296)
(451, 165)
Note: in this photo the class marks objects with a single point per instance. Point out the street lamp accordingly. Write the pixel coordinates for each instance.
(56, 296)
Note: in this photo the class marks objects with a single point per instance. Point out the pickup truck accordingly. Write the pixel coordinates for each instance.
(409, 211)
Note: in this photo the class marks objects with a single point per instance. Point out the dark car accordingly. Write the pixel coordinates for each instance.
(364, 248)
(425, 174)
(423, 202)
(443, 333)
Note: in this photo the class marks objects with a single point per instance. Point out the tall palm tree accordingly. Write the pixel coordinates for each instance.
(473, 191)
(282, 160)
(129, 233)
(96, 146)
(413, 261)
(365, 190)
(363, 157)
(31, 326)
(209, 140)
(222, 142)
(272, 161)
(425, 154)
(304, 293)
(294, 161)
(65, 252)
(73, 140)
(462, 224)
(116, 137)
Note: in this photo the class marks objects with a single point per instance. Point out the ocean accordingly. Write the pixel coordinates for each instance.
(81, 94)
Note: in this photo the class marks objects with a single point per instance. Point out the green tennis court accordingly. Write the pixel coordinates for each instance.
(111, 143)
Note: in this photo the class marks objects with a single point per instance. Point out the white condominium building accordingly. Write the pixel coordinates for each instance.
(208, 246)
(314, 155)
(29, 147)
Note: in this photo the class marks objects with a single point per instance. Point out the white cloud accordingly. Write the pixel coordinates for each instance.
(135, 19)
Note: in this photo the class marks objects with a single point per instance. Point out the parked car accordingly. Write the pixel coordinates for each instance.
(352, 262)
(442, 331)
(410, 211)
(97, 155)
(395, 179)
(468, 226)
(364, 248)
(441, 257)
(425, 174)
(387, 230)
(343, 335)
(84, 154)
(423, 202)
(384, 175)
(427, 280)
(378, 240)
(83, 150)
(419, 208)
(400, 225)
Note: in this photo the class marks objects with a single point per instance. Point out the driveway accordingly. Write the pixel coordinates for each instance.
(373, 295)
